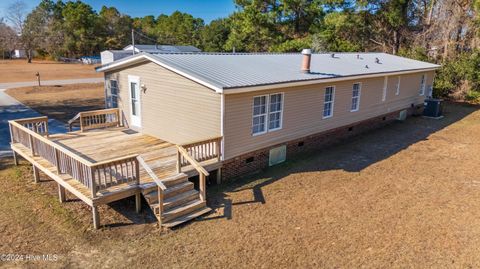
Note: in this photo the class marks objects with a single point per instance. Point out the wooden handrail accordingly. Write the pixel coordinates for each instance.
(201, 141)
(92, 119)
(95, 176)
(147, 168)
(33, 119)
(50, 143)
(202, 173)
(192, 161)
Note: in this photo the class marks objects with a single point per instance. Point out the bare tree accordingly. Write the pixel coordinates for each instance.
(8, 38)
(16, 14)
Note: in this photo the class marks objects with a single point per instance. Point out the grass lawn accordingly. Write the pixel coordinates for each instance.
(20, 70)
(407, 195)
(61, 102)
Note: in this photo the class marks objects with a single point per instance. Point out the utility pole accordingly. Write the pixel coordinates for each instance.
(133, 41)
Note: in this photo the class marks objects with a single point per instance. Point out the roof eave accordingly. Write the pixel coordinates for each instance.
(145, 56)
(244, 89)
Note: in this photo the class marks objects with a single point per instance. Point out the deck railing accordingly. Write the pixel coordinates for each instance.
(96, 119)
(161, 187)
(202, 173)
(202, 150)
(95, 176)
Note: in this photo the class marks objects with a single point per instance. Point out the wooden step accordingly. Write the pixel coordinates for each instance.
(182, 210)
(175, 179)
(178, 189)
(185, 197)
(187, 217)
(182, 198)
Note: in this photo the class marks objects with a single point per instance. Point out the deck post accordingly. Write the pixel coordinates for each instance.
(219, 175)
(36, 174)
(202, 187)
(179, 160)
(96, 217)
(61, 194)
(138, 203)
(15, 158)
(30, 140)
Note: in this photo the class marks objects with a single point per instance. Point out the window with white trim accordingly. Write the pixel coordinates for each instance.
(397, 87)
(112, 94)
(267, 113)
(355, 97)
(275, 112)
(385, 86)
(259, 122)
(422, 84)
(328, 102)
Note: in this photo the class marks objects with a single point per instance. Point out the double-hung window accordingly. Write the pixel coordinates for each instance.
(422, 85)
(355, 97)
(397, 87)
(267, 113)
(328, 102)
(112, 94)
(259, 122)
(275, 112)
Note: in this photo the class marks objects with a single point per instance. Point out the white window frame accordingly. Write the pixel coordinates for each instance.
(357, 97)
(268, 113)
(423, 84)
(332, 102)
(259, 115)
(385, 86)
(110, 95)
(397, 87)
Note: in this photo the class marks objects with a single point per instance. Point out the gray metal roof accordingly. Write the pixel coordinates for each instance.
(227, 70)
(164, 48)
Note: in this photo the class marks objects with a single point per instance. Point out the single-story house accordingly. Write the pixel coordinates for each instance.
(266, 107)
(173, 119)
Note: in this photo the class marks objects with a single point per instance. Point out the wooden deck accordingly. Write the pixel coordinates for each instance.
(103, 165)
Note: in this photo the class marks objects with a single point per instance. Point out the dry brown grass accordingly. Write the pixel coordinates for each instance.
(20, 71)
(407, 195)
(61, 102)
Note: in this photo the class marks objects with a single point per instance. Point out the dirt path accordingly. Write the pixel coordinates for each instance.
(403, 196)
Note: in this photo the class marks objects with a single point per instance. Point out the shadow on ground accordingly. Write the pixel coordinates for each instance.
(352, 155)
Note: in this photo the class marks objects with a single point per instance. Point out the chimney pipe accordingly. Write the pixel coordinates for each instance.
(307, 56)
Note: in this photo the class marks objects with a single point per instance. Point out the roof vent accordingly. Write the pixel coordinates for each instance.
(366, 66)
(358, 56)
(307, 56)
(333, 55)
(377, 61)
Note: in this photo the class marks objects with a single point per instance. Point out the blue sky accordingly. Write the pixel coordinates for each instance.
(206, 9)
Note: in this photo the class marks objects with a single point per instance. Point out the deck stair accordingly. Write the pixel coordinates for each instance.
(180, 202)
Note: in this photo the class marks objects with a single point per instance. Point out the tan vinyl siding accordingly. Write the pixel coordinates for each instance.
(173, 108)
(303, 110)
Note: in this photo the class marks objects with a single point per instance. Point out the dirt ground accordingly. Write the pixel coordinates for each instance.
(20, 70)
(407, 195)
(61, 102)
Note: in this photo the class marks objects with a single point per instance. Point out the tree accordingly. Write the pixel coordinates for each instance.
(116, 27)
(178, 29)
(82, 29)
(8, 38)
(215, 34)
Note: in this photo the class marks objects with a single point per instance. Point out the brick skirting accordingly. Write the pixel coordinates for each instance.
(255, 161)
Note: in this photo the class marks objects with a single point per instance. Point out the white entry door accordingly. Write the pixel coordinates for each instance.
(135, 105)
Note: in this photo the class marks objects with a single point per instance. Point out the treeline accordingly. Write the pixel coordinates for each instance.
(441, 31)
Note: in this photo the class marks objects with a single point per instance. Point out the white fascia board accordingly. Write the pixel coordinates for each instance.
(319, 81)
(148, 57)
